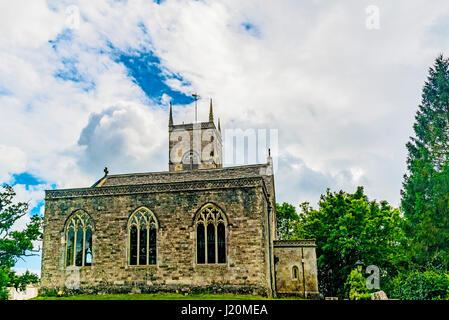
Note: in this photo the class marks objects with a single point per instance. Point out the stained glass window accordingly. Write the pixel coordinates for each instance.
(79, 248)
(221, 242)
(201, 245)
(143, 249)
(79, 240)
(133, 242)
(211, 240)
(70, 247)
(152, 243)
(88, 248)
(142, 228)
(210, 243)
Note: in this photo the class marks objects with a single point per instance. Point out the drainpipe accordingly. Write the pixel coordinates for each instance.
(303, 273)
(270, 249)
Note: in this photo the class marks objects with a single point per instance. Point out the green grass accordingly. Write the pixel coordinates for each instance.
(160, 296)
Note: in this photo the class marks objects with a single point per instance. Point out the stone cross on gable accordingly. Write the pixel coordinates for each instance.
(106, 171)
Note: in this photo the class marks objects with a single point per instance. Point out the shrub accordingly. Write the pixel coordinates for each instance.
(415, 285)
(355, 286)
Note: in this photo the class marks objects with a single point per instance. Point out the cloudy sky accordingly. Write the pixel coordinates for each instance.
(86, 84)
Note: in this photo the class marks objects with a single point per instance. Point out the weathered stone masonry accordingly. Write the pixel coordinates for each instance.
(299, 255)
(176, 268)
(255, 262)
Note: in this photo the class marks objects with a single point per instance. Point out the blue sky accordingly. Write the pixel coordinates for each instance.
(84, 85)
(146, 71)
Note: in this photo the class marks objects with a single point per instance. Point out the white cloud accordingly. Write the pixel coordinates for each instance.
(126, 138)
(28, 23)
(32, 195)
(343, 97)
(12, 159)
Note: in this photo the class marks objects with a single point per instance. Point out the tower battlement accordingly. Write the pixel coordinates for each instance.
(194, 146)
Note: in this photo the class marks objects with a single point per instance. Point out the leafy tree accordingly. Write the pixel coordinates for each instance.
(349, 227)
(285, 216)
(425, 193)
(4, 281)
(15, 245)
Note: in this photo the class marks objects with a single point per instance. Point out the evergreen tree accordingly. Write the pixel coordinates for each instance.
(425, 193)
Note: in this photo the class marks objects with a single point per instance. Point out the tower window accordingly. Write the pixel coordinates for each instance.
(190, 161)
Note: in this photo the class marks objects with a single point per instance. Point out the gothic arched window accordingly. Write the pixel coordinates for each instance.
(210, 235)
(79, 240)
(142, 233)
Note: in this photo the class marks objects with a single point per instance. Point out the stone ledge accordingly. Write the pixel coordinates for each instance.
(192, 126)
(141, 267)
(244, 171)
(309, 295)
(210, 266)
(294, 243)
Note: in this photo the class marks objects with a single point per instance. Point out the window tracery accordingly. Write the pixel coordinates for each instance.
(79, 240)
(142, 233)
(210, 235)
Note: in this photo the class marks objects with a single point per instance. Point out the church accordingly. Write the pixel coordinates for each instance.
(197, 227)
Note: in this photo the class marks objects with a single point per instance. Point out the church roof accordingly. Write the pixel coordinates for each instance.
(248, 171)
(189, 180)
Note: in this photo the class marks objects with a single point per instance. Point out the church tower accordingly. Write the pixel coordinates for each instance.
(194, 146)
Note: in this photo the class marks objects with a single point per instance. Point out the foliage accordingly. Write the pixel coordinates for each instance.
(349, 227)
(416, 285)
(285, 216)
(355, 286)
(4, 280)
(20, 282)
(425, 193)
(15, 244)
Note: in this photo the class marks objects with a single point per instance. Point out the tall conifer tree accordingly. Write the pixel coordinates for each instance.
(425, 193)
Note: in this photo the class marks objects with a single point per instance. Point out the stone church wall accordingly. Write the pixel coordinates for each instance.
(176, 269)
(299, 254)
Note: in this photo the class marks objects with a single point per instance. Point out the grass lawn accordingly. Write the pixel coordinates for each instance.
(161, 296)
